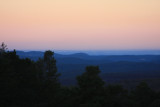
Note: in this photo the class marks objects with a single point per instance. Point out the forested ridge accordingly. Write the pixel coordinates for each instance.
(27, 83)
(128, 70)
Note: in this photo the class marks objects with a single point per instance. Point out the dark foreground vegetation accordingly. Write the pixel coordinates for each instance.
(27, 83)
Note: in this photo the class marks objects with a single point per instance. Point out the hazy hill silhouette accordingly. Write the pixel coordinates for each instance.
(114, 67)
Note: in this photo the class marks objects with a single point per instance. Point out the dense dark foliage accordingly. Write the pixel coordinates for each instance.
(25, 83)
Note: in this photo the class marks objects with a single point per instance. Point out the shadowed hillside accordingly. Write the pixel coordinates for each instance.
(27, 83)
(115, 68)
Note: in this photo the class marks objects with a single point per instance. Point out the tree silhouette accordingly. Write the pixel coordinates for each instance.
(3, 47)
(50, 85)
(48, 66)
(90, 86)
(143, 94)
(90, 79)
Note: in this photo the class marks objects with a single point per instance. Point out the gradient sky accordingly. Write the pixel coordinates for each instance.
(80, 24)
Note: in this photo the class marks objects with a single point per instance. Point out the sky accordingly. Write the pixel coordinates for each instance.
(80, 24)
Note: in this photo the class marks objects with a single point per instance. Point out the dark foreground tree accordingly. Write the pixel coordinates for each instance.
(50, 86)
(48, 67)
(90, 80)
(90, 86)
(21, 83)
(143, 95)
(3, 47)
(18, 81)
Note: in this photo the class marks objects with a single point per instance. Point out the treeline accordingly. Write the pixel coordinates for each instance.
(25, 83)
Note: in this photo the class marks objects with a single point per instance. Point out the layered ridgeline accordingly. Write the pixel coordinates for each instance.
(124, 69)
(27, 83)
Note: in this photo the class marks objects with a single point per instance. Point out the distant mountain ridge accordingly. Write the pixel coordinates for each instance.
(34, 55)
(107, 52)
(113, 67)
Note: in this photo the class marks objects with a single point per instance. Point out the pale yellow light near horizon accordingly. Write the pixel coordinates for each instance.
(80, 24)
